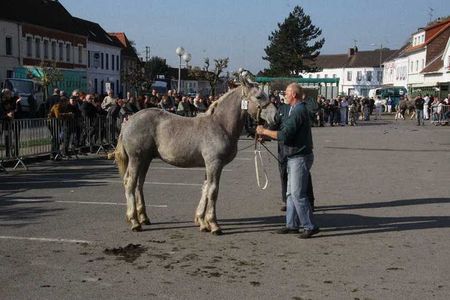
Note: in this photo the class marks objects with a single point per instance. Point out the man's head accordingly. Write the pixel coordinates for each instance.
(294, 93)
(56, 91)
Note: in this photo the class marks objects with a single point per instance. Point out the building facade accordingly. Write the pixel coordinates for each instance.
(10, 59)
(357, 71)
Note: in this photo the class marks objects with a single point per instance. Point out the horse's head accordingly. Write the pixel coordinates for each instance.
(259, 104)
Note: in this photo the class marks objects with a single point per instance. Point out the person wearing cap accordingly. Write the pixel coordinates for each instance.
(297, 137)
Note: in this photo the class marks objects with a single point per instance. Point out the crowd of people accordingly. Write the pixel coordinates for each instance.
(348, 110)
(86, 118)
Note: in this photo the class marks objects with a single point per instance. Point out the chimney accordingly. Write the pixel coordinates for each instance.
(351, 52)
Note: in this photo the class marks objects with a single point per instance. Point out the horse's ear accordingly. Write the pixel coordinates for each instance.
(245, 79)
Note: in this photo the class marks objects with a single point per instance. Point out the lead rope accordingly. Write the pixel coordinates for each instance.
(258, 155)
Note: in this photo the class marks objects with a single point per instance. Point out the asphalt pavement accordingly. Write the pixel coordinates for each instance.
(383, 196)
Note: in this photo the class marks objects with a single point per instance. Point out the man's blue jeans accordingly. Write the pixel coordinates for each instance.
(298, 210)
(419, 116)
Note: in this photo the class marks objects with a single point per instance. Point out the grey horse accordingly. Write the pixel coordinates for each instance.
(209, 140)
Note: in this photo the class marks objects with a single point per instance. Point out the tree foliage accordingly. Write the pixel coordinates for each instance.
(212, 76)
(156, 66)
(294, 46)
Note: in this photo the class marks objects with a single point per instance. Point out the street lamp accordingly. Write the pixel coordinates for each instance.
(187, 58)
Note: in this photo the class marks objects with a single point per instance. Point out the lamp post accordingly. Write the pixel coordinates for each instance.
(187, 58)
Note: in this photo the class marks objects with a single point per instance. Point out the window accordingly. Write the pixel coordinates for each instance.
(380, 76)
(101, 64)
(89, 59)
(334, 75)
(349, 75)
(80, 54)
(310, 76)
(107, 61)
(117, 87)
(117, 63)
(53, 50)
(112, 61)
(318, 75)
(326, 76)
(68, 52)
(46, 49)
(96, 85)
(37, 46)
(423, 64)
(8, 45)
(369, 75)
(29, 47)
(412, 67)
(358, 76)
(61, 51)
(417, 65)
(9, 73)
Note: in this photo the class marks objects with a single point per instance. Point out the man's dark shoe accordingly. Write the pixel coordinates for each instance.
(306, 234)
(283, 208)
(286, 230)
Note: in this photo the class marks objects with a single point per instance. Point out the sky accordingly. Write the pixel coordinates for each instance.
(239, 29)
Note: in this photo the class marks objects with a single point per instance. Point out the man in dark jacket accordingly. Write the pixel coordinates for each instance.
(297, 138)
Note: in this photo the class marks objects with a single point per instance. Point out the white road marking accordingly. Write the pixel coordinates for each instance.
(242, 158)
(81, 202)
(5, 237)
(95, 181)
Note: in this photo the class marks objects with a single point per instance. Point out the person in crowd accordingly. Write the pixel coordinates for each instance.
(199, 104)
(7, 115)
(419, 104)
(353, 112)
(166, 104)
(59, 117)
(389, 104)
(343, 109)
(426, 107)
(53, 99)
(297, 137)
(378, 108)
(109, 101)
(184, 109)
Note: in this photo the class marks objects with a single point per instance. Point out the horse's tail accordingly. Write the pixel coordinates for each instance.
(121, 157)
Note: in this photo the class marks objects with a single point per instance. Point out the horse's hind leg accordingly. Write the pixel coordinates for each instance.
(140, 203)
(130, 182)
(200, 212)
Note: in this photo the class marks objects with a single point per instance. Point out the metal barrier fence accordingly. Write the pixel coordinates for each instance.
(23, 138)
(440, 114)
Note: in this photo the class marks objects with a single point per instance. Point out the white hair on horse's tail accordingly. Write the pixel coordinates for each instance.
(121, 157)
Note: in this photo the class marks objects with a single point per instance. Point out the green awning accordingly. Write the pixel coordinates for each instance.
(262, 79)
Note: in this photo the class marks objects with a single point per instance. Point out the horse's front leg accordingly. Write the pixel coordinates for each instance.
(199, 218)
(213, 191)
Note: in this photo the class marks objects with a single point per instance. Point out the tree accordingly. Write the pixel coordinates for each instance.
(48, 75)
(212, 77)
(156, 66)
(294, 46)
(135, 77)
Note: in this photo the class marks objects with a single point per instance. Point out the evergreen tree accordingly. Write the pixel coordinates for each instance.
(294, 46)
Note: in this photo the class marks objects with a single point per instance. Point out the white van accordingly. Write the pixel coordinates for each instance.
(31, 92)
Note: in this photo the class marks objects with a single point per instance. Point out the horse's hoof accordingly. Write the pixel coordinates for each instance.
(136, 228)
(217, 232)
(204, 229)
(146, 222)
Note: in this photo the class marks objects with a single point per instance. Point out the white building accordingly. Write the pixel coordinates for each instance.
(358, 71)
(420, 65)
(103, 64)
(10, 48)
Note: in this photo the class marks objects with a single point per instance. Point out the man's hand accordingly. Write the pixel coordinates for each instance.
(260, 129)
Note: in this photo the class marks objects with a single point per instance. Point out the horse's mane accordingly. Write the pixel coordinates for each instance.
(218, 102)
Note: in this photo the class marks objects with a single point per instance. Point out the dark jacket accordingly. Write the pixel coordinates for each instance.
(295, 132)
